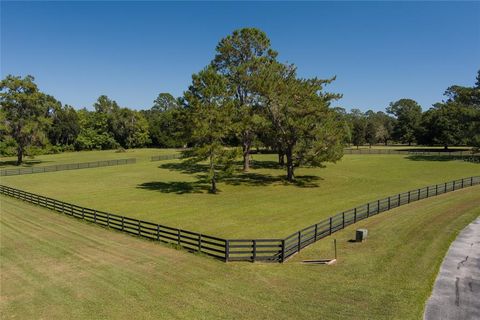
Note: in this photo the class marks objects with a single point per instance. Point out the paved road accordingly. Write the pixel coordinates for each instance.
(456, 294)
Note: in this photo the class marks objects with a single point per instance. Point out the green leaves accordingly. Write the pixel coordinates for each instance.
(24, 112)
(210, 107)
(409, 114)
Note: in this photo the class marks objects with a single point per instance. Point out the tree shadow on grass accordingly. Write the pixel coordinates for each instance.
(25, 164)
(265, 165)
(178, 187)
(437, 158)
(187, 168)
(238, 179)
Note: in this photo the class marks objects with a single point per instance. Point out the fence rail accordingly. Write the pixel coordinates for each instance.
(280, 250)
(452, 152)
(270, 250)
(193, 241)
(68, 166)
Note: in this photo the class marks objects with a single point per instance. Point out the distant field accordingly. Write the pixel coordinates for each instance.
(56, 267)
(84, 156)
(258, 204)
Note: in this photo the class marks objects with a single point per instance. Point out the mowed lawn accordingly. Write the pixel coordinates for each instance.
(84, 156)
(258, 204)
(57, 267)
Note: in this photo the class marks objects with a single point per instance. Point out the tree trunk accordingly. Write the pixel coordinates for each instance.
(290, 168)
(281, 157)
(445, 147)
(212, 171)
(19, 155)
(246, 156)
(214, 185)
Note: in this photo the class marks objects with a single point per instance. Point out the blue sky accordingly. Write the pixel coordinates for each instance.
(379, 51)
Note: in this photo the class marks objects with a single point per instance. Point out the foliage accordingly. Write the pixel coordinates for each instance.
(65, 126)
(24, 112)
(455, 121)
(371, 133)
(167, 122)
(306, 130)
(357, 118)
(210, 107)
(408, 115)
(239, 58)
(130, 128)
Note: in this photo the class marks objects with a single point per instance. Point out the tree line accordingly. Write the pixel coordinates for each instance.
(243, 99)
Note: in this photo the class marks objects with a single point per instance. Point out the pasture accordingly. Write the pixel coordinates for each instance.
(80, 271)
(142, 154)
(256, 204)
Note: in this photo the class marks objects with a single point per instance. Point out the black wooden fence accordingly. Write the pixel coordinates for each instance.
(68, 166)
(272, 250)
(282, 249)
(194, 241)
(451, 153)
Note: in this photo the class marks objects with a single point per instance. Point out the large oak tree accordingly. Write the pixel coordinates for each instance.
(24, 112)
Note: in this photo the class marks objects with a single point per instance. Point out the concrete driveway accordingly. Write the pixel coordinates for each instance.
(456, 294)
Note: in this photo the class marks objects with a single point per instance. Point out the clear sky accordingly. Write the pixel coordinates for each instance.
(379, 51)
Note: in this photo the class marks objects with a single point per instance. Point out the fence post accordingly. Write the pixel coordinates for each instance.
(123, 224)
(95, 216)
(139, 233)
(408, 196)
(355, 215)
(343, 220)
(436, 189)
(462, 183)
(368, 209)
(299, 241)
(178, 236)
(315, 235)
(378, 206)
(418, 194)
(227, 250)
(199, 242)
(158, 230)
(399, 199)
(445, 188)
(428, 188)
(453, 182)
(388, 203)
(108, 220)
(254, 250)
(283, 249)
(330, 225)
(83, 213)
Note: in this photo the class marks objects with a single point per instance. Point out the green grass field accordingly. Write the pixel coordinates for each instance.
(57, 267)
(84, 156)
(257, 204)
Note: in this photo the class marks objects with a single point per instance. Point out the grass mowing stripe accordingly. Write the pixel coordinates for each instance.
(78, 279)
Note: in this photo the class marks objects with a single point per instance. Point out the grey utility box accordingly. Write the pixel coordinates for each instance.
(361, 235)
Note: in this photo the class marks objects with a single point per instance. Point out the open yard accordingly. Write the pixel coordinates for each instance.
(84, 156)
(257, 204)
(56, 267)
